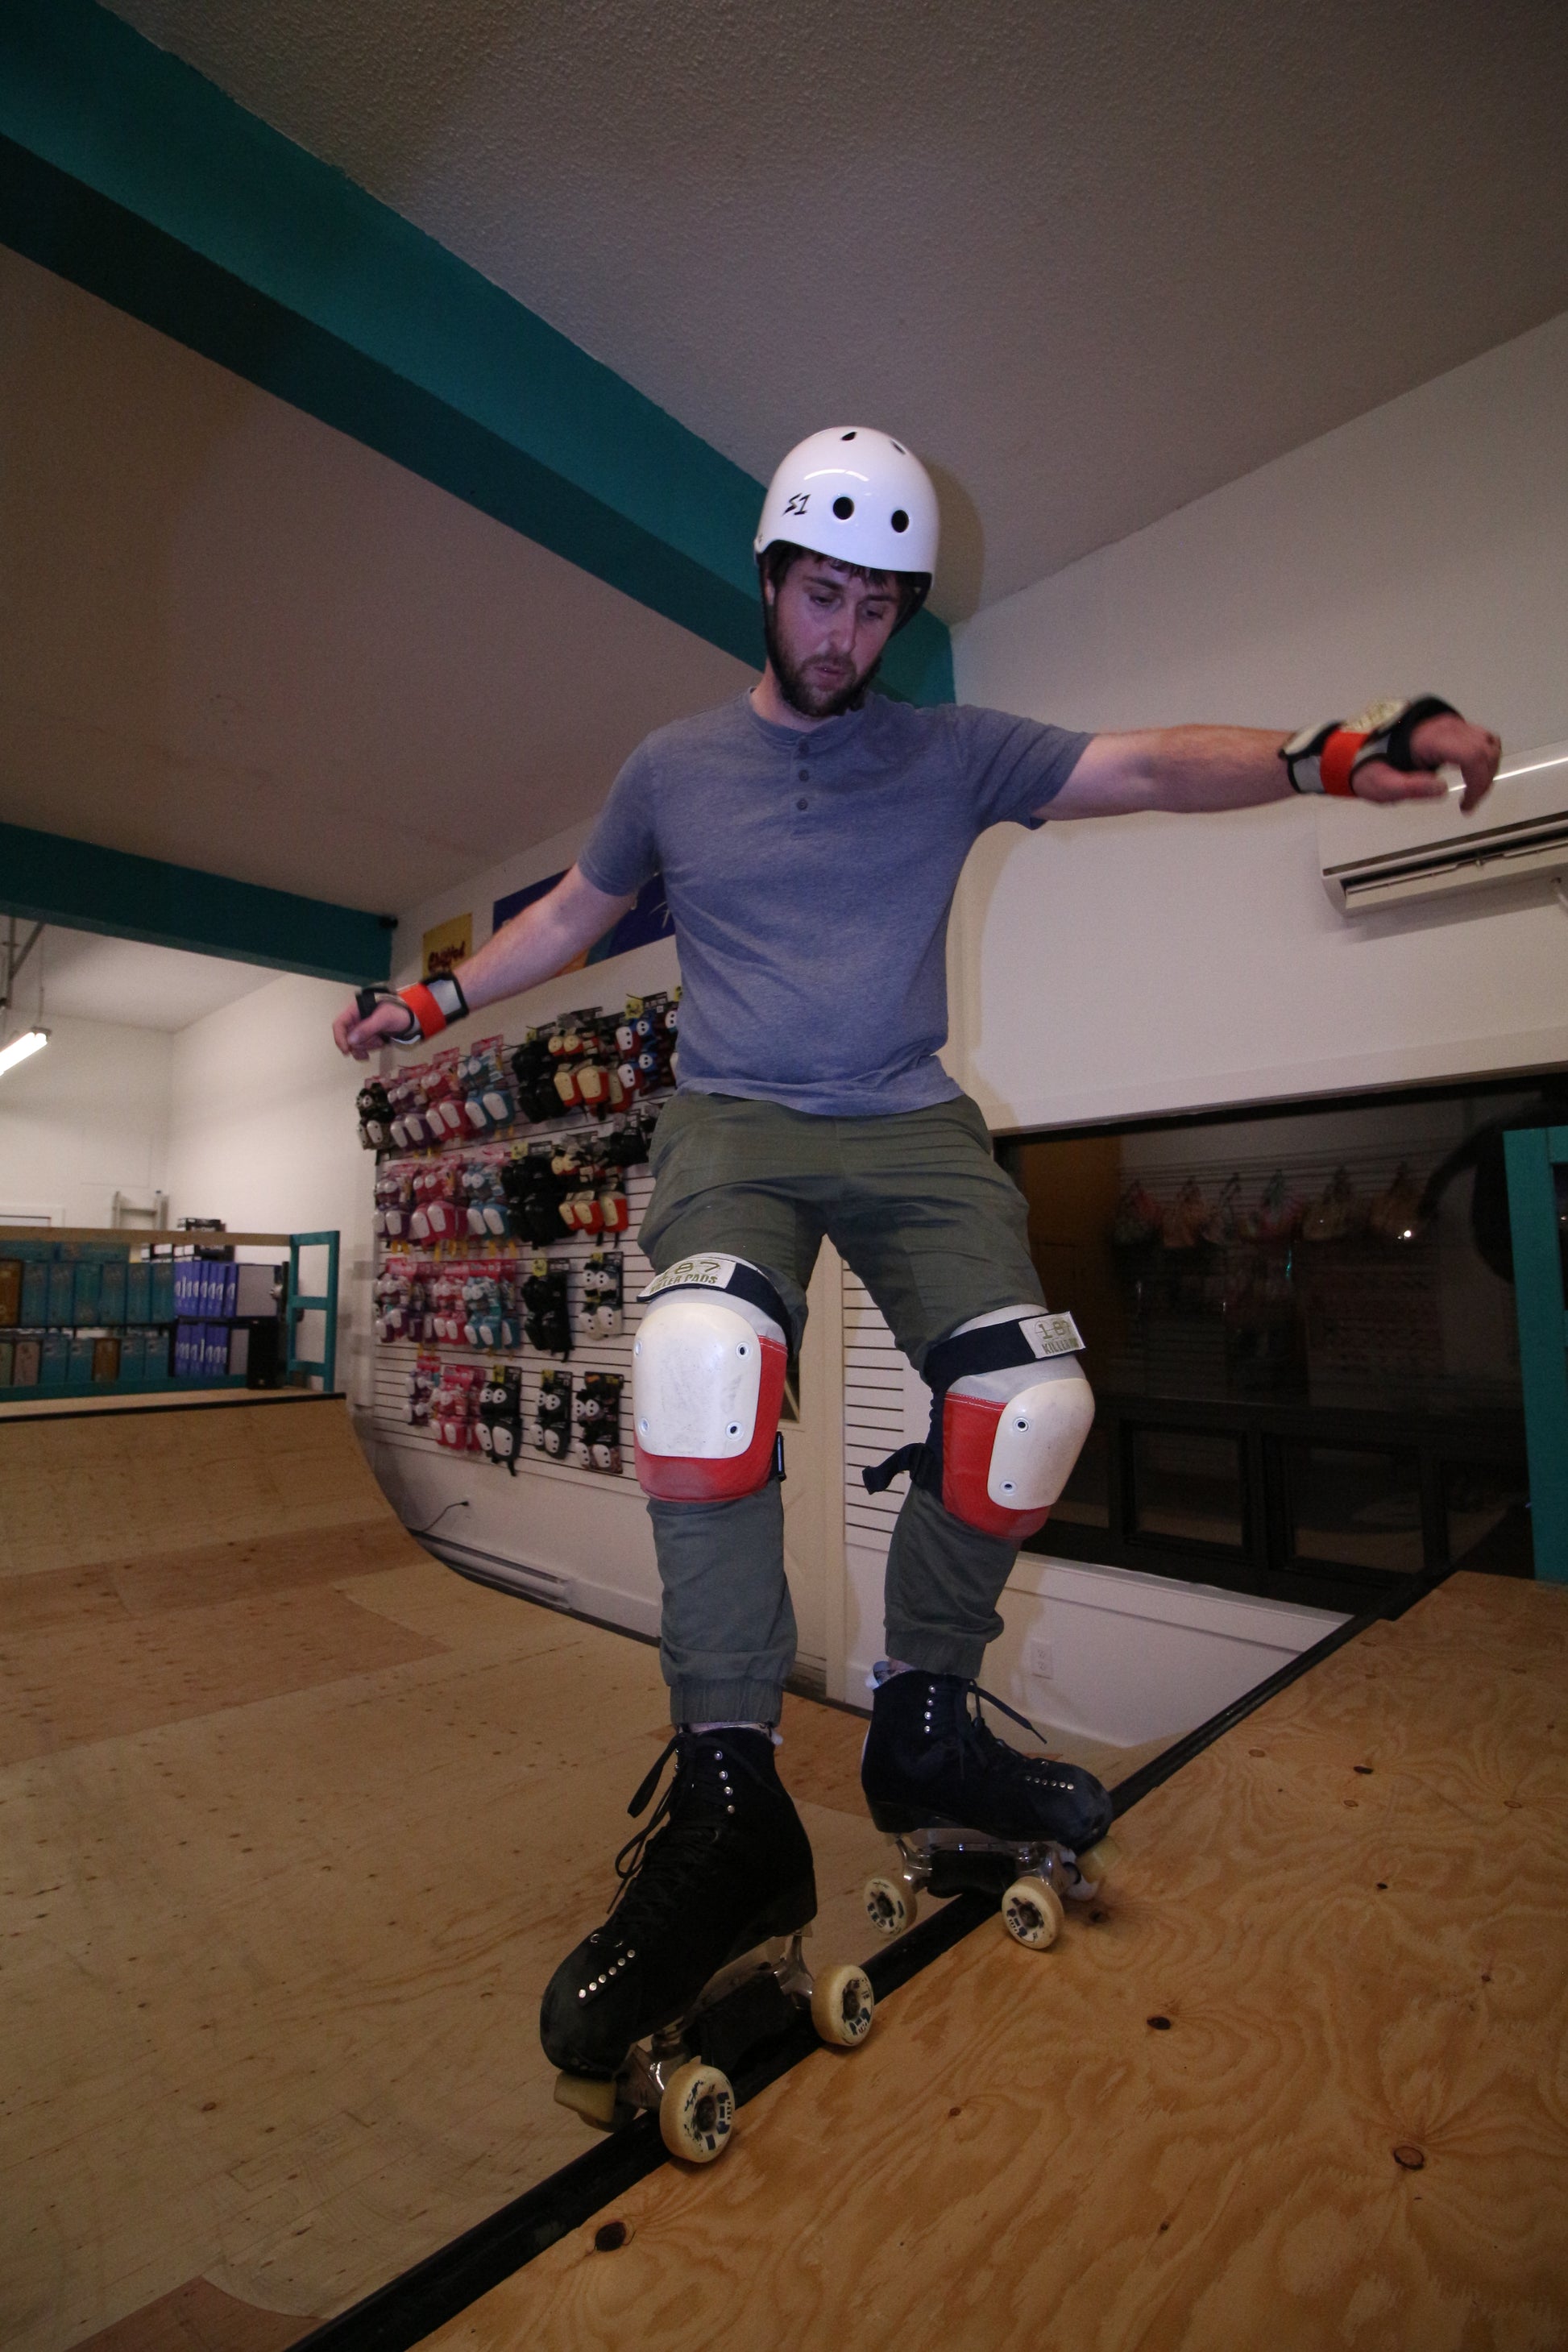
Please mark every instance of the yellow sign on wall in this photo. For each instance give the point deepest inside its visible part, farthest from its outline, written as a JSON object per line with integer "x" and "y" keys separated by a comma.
{"x": 447, "y": 945}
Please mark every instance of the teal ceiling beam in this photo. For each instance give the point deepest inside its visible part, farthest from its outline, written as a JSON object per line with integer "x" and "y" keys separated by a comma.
{"x": 45, "y": 878}
{"x": 124, "y": 170}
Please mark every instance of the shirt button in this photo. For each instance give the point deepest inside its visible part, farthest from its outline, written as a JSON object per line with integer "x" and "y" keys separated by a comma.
{"x": 805, "y": 775}
{"x": 802, "y": 803}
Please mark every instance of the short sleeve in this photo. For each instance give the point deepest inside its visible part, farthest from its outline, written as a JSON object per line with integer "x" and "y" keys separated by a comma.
{"x": 621, "y": 852}
{"x": 1013, "y": 766}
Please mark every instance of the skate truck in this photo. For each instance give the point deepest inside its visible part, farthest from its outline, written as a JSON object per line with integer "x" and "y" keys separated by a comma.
{"x": 682, "y": 2073}
{"x": 1032, "y": 1879}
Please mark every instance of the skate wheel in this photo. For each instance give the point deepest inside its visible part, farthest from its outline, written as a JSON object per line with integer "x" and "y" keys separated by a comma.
{"x": 593, "y": 2100}
{"x": 1096, "y": 1860}
{"x": 890, "y": 1905}
{"x": 695, "y": 2111}
{"x": 1032, "y": 1913}
{"x": 842, "y": 2003}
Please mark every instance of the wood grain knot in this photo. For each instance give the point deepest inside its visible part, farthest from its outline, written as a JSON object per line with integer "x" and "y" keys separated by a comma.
{"x": 1361, "y": 1768}
{"x": 1412, "y": 2159}
{"x": 611, "y": 2236}
{"x": 1160, "y": 2024}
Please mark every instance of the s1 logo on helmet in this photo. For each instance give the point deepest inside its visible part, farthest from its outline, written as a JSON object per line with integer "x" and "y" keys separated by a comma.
{"x": 798, "y": 504}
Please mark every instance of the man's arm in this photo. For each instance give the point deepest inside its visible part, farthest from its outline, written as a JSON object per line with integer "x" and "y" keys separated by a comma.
{"x": 534, "y": 946}
{"x": 1191, "y": 769}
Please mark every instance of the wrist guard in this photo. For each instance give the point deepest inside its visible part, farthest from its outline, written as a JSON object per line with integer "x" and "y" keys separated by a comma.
{"x": 431, "y": 1005}
{"x": 1326, "y": 759}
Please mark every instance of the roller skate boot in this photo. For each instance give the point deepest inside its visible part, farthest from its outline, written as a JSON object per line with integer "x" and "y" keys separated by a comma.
{"x": 969, "y": 1814}
{"x": 699, "y": 1960}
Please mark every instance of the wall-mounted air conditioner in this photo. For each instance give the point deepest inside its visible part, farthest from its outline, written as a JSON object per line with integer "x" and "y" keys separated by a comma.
{"x": 1374, "y": 858}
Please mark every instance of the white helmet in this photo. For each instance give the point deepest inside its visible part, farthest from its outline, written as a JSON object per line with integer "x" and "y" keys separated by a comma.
{"x": 859, "y": 496}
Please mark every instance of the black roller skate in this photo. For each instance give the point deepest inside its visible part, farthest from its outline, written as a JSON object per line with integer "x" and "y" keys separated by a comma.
{"x": 699, "y": 1960}
{"x": 969, "y": 1814}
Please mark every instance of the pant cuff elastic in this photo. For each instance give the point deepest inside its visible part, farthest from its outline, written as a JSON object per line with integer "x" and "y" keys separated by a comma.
{"x": 735, "y": 1701}
{"x": 937, "y": 1653}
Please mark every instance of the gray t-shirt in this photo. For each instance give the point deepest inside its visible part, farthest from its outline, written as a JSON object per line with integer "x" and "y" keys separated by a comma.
{"x": 809, "y": 874}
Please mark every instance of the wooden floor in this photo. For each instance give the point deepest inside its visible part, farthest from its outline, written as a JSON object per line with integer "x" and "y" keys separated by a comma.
{"x": 1305, "y": 2084}
{"x": 294, "y": 1824}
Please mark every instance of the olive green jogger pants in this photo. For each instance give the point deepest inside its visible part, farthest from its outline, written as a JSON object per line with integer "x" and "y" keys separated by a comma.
{"x": 917, "y": 1206}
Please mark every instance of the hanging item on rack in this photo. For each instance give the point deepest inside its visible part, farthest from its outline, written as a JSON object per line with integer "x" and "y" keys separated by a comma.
{"x": 422, "y": 1383}
{"x": 375, "y": 1116}
{"x": 487, "y": 1100}
{"x": 1279, "y": 1213}
{"x": 405, "y": 1093}
{"x": 543, "y": 1300}
{"x": 390, "y": 1293}
{"x": 533, "y": 1193}
{"x": 1338, "y": 1216}
{"x": 599, "y": 1316}
{"x": 598, "y": 1446}
{"x": 484, "y": 1201}
{"x": 1187, "y": 1220}
{"x": 1397, "y": 1215}
{"x": 500, "y": 1427}
{"x": 553, "y": 1420}
{"x": 489, "y": 1309}
{"x": 533, "y": 1077}
{"x": 1138, "y": 1220}
{"x": 454, "y": 1406}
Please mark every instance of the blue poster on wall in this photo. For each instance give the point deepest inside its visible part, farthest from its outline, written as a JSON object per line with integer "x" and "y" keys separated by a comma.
{"x": 648, "y": 920}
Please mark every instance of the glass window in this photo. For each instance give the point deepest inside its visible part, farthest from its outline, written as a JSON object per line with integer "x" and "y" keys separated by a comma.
{"x": 1187, "y": 1484}
{"x": 1085, "y": 1500}
{"x": 1486, "y": 1510}
{"x": 1355, "y": 1507}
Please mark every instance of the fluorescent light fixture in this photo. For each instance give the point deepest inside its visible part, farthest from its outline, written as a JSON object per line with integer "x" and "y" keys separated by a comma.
{"x": 31, "y": 1041}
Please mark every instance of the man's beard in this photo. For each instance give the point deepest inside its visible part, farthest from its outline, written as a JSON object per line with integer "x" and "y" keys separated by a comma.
{"x": 811, "y": 702}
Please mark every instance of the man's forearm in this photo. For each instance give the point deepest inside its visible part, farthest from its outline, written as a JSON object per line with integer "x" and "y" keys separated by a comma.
{"x": 1181, "y": 769}
{"x": 538, "y": 942}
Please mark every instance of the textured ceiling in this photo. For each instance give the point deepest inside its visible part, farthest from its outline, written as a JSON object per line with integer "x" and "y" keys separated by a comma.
{"x": 1094, "y": 260}
{"x": 238, "y": 640}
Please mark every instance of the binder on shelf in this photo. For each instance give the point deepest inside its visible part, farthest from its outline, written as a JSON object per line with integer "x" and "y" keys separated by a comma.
{"x": 26, "y": 1363}
{"x": 161, "y": 1301}
{"x": 111, "y": 1293}
{"x": 53, "y": 1360}
{"x": 35, "y": 1293}
{"x": 78, "y": 1359}
{"x": 132, "y": 1357}
{"x": 85, "y": 1292}
{"x": 10, "y": 1291}
{"x": 7, "y": 1360}
{"x": 105, "y": 1361}
{"x": 61, "y": 1280}
{"x": 138, "y": 1292}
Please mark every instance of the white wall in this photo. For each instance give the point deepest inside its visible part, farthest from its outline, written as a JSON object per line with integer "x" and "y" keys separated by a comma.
{"x": 85, "y": 1118}
{"x": 1142, "y": 963}
{"x": 263, "y": 1133}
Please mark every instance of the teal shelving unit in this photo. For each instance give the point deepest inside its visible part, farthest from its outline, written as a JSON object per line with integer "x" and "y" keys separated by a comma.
{"x": 1535, "y": 1155}
{"x": 299, "y": 1304}
{"x": 93, "y": 1311}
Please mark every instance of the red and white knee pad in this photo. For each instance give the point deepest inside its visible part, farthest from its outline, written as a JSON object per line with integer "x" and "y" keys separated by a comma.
{"x": 1010, "y": 1412}
{"x": 708, "y": 1378}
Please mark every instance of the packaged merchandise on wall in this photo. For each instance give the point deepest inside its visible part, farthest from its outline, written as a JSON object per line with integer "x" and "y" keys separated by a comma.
{"x": 500, "y": 1415}
{"x": 543, "y": 1297}
{"x": 375, "y": 1116}
{"x": 599, "y": 1314}
{"x": 488, "y": 1101}
{"x": 489, "y": 1307}
{"x": 454, "y": 1408}
{"x": 598, "y": 1446}
{"x": 422, "y": 1382}
{"x": 553, "y": 1417}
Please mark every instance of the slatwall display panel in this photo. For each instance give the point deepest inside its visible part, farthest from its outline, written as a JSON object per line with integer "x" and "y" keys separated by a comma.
{"x": 395, "y": 1359}
{"x": 874, "y": 1415}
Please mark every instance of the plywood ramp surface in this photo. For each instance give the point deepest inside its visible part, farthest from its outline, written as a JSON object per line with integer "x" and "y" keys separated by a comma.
{"x": 1303, "y": 2084}
{"x": 80, "y": 1489}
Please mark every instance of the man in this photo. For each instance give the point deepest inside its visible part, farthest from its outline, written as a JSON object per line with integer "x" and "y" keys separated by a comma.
{"x": 810, "y": 835}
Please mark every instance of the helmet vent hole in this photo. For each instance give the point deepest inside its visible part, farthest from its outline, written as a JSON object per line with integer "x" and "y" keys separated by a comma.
{"x": 844, "y": 508}
{"x": 847, "y": 437}
{"x": 900, "y": 519}
{"x": 900, "y": 448}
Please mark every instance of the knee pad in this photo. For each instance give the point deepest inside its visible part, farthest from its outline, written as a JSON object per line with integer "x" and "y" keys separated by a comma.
{"x": 708, "y": 1376}
{"x": 1010, "y": 1412}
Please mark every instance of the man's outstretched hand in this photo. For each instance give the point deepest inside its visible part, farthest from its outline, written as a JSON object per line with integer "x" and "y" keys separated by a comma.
{"x": 364, "y": 1038}
{"x": 1437, "y": 742}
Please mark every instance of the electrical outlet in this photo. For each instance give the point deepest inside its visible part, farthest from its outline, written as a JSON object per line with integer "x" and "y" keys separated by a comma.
{"x": 1038, "y": 1663}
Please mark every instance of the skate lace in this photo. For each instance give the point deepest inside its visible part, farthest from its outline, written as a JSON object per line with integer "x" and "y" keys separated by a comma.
{"x": 978, "y": 1739}
{"x": 680, "y": 1834}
